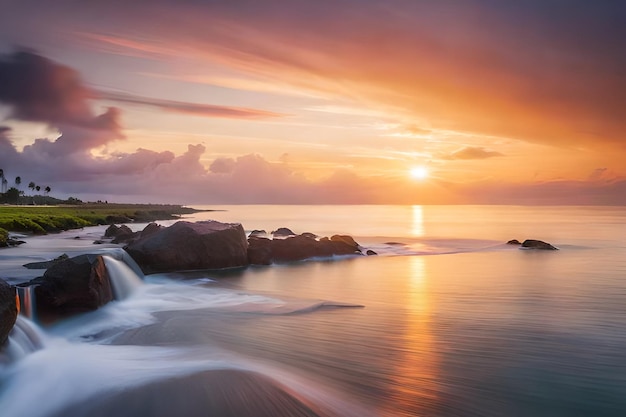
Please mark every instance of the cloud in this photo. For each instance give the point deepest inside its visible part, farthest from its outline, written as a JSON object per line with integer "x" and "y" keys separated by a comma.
{"x": 196, "y": 109}
{"x": 222, "y": 166}
{"x": 472, "y": 152}
{"x": 40, "y": 90}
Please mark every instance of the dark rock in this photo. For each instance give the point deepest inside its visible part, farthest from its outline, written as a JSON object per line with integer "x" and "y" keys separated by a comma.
{"x": 345, "y": 239}
{"x": 263, "y": 251}
{"x": 513, "y": 242}
{"x": 115, "y": 231}
{"x": 537, "y": 244}
{"x": 186, "y": 245}
{"x": 8, "y": 309}
{"x": 14, "y": 242}
{"x": 150, "y": 229}
{"x": 46, "y": 264}
{"x": 99, "y": 242}
{"x": 370, "y": 252}
{"x": 258, "y": 233}
{"x": 309, "y": 235}
{"x": 72, "y": 286}
{"x": 283, "y": 232}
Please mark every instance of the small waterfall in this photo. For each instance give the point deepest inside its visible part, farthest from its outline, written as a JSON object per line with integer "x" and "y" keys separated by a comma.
{"x": 25, "y": 337}
{"x": 124, "y": 279}
{"x": 26, "y": 296}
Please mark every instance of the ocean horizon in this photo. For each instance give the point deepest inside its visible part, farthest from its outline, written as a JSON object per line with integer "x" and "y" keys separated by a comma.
{"x": 447, "y": 320}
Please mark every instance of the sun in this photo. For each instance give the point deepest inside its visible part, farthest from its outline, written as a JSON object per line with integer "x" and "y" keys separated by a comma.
{"x": 419, "y": 173}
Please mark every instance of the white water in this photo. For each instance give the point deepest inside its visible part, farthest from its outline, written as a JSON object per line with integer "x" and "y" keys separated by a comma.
{"x": 124, "y": 279}
{"x": 25, "y": 338}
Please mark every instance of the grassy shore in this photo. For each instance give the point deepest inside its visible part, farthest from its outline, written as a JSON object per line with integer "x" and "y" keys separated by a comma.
{"x": 45, "y": 219}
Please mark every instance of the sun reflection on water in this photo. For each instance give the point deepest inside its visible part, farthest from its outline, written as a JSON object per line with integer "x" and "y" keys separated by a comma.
{"x": 417, "y": 221}
{"x": 417, "y": 373}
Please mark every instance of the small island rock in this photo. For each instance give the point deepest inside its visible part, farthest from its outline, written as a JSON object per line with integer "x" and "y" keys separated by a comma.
{"x": 537, "y": 244}
{"x": 186, "y": 245}
{"x": 513, "y": 242}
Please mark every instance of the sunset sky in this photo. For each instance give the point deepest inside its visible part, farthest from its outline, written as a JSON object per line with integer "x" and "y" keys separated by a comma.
{"x": 326, "y": 101}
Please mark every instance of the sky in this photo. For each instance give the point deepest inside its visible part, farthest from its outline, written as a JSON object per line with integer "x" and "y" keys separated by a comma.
{"x": 316, "y": 102}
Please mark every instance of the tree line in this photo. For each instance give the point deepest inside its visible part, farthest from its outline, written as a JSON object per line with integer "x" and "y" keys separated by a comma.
{"x": 12, "y": 194}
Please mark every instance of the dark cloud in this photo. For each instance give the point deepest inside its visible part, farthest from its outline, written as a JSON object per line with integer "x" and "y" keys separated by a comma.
{"x": 40, "y": 90}
{"x": 472, "y": 152}
{"x": 197, "y": 109}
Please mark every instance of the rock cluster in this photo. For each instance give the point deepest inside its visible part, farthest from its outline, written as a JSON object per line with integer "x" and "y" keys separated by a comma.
{"x": 263, "y": 251}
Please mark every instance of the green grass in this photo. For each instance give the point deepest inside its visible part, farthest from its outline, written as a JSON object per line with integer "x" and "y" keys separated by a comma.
{"x": 44, "y": 219}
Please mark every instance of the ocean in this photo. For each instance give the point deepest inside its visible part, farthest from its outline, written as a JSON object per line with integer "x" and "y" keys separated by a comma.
{"x": 447, "y": 320}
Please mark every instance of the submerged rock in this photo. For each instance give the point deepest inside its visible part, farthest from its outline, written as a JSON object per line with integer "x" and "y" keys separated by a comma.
{"x": 513, "y": 242}
{"x": 46, "y": 264}
{"x": 8, "y": 310}
{"x": 537, "y": 244}
{"x": 262, "y": 251}
{"x": 75, "y": 285}
{"x": 371, "y": 252}
{"x": 185, "y": 245}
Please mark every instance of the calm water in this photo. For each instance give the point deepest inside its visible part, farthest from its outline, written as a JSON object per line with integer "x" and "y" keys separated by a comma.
{"x": 447, "y": 321}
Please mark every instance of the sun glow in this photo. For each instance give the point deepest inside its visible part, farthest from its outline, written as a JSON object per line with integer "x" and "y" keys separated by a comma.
{"x": 419, "y": 173}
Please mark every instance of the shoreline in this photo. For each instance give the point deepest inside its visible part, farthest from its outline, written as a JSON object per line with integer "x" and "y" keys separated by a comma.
{"x": 41, "y": 220}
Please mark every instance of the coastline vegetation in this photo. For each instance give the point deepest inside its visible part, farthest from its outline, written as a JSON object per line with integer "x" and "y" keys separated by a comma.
{"x": 47, "y": 219}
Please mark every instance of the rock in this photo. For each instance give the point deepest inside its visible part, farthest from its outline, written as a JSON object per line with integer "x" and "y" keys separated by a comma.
{"x": 46, "y": 264}
{"x": 370, "y": 252}
{"x": 513, "y": 242}
{"x": 74, "y": 285}
{"x": 8, "y": 309}
{"x": 185, "y": 245}
{"x": 115, "y": 231}
{"x": 14, "y": 242}
{"x": 537, "y": 244}
{"x": 309, "y": 234}
{"x": 345, "y": 239}
{"x": 283, "y": 232}
{"x": 258, "y": 233}
{"x": 151, "y": 228}
{"x": 262, "y": 251}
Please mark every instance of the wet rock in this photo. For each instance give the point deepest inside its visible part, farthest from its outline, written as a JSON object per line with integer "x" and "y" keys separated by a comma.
{"x": 115, "y": 231}
{"x": 262, "y": 251}
{"x": 46, "y": 264}
{"x": 72, "y": 286}
{"x": 283, "y": 232}
{"x": 537, "y": 244}
{"x": 258, "y": 233}
{"x": 8, "y": 309}
{"x": 150, "y": 229}
{"x": 370, "y": 252}
{"x": 186, "y": 245}
{"x": 513, "y": 242}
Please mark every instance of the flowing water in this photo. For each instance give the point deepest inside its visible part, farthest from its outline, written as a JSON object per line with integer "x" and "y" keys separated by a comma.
{"x": 446, "y": 321}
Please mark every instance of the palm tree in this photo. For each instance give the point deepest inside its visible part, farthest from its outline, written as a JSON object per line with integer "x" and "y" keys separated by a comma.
{"x": 37, "y": 188}
{"x": 31, "y": 185}
{"x": 47, "y": 189}
{"x": 18, "y": 181}
{"x": 2, "y": 178}
{"x": 4, "y": 185}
